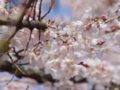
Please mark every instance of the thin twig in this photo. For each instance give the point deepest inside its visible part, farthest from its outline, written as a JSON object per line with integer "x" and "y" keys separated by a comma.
{"x": 27, "y": 45}
{"x": 12, "y": 78}
{"x": 40, "y": 5}
{"x": 52, "y": 2}
{"x": 112, "y": 19}
{"x": 39, "y": 34}
{"x": 35, "y": 3}
{"x": 17, "y": 54}
{"x": 16, "y": 30}
{"x": 16, "y": 64}
{"x": 27, "y": 87}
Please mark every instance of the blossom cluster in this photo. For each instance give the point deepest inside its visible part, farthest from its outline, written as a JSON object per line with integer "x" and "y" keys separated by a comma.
{"x": 87, "y": 48}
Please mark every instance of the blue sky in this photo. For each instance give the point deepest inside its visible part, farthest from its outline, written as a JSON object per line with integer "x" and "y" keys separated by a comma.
{"x": 61, "y": 11}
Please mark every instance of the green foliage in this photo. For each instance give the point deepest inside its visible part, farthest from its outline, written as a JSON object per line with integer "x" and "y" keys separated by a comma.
{"x": 4, "y": 46}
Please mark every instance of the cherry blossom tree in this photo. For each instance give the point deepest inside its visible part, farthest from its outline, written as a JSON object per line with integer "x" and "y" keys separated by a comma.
{"x": 63, "y": 53}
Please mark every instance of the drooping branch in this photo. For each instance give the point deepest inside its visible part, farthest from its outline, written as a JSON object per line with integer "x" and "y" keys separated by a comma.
{"x": 37, "y": 74}
{"x": 52, "y": 2}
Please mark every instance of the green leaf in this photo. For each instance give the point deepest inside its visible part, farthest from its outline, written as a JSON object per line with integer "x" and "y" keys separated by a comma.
{"x": 4, "y": 46}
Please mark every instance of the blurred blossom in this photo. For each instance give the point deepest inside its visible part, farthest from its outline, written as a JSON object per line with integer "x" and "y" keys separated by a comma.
{"x": 79, "y": 7}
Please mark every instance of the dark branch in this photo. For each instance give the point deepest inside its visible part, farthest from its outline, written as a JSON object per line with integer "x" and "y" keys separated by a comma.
{"x": 40, "y": 5}
{"x": 38, "y": 75}
{"x": 52, "y": 2}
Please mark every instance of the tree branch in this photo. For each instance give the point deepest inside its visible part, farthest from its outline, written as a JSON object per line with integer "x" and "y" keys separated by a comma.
{"x": 38, "y": 75}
